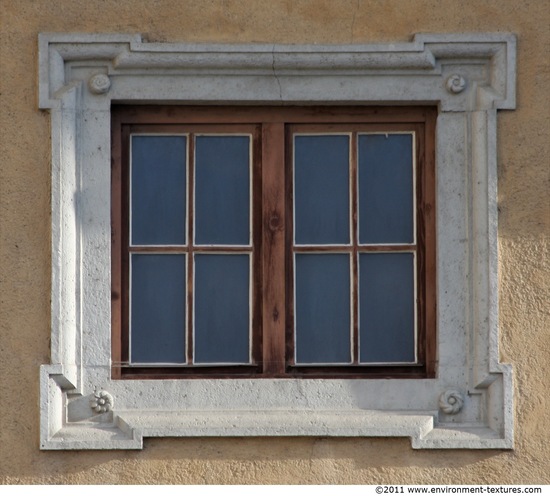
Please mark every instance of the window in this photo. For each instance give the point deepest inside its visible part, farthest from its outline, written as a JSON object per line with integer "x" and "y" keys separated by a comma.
{"x": 349, "y": 288}
{"x": 457, "y": 394}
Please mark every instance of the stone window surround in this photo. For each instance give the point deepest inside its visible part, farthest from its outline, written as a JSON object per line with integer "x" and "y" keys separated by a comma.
{"x": 469, "y": 77}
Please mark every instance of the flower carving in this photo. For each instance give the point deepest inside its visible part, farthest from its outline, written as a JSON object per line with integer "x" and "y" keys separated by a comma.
{"x": 456, "y": 83}
{"x": 99, "y": 84}
{"x": 451, "y": 401}
{"x": 101, "y": 402}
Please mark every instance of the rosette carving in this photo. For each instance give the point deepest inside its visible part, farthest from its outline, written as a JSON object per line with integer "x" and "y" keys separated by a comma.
{"x": 99, "y": 84}
{"x": 456, "y": 83}
{"x": 451, "y": 401}
{"x": 102, "y": 402}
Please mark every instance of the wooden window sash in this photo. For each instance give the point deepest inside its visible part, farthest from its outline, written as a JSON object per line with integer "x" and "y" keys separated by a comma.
{"x": 272, "y": 320}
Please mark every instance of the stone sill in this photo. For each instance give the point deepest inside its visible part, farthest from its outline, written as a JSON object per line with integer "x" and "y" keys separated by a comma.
{"x": 128, "y": 429}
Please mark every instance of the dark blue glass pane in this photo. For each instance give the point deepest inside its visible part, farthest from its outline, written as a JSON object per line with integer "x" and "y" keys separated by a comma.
{"x": 158, "y": 190}
{"x": 321, "y": 189}
{"x": 322, "y": 308}
{"x": 158, "y": 308}
{"x": 222, "y": 308}
{"x": 386, "y": 307}
{"x": 386, "y": 189}
{"x": 222, "y": 190}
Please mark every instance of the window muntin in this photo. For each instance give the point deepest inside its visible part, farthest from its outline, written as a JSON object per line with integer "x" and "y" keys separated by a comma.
{"x": 349, "y": 356}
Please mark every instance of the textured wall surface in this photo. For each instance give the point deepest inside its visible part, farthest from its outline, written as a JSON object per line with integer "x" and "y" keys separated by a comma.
{"x": 524, "y": 232}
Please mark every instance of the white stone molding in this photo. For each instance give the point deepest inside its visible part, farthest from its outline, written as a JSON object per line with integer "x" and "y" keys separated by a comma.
{"x": 81, "y": 75}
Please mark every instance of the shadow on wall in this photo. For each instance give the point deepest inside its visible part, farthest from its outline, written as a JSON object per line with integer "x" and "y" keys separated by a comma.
{"x": 254, "y": 460}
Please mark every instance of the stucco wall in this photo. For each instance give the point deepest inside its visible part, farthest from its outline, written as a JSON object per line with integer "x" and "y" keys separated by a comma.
{"x": 524, "y": 231}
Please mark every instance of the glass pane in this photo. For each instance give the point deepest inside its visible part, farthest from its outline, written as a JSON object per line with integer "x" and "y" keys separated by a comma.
{"x": 222, "y": 308}
{"x": 386, "y": 307}
{"x": 158, "y": 190}
{"x": 321, "y": 189}
{"x": 158, "y": 308}
{"x": 322, "y": 308}
{"x": 222, "y": 190}
{"x": 386, "y": 189}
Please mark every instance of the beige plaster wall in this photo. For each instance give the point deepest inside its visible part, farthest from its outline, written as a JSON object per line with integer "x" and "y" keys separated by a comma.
{"x": 524, "y": 229}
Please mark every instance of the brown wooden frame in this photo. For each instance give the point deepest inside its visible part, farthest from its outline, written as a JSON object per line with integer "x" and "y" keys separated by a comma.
{"x": 272, "y": 319}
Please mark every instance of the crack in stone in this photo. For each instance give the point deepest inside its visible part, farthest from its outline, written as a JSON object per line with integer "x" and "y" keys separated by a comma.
{"x": 275, "y": 73}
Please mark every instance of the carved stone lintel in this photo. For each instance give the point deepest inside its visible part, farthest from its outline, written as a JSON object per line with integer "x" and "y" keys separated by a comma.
{"x": 451, "y": 401}
{"x": 99, "y": 84}
{"x": 102, "y": 402}
{"x": 456, "y": 83}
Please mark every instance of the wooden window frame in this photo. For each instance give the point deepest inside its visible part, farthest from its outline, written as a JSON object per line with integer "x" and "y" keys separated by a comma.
{"x": 272, "y": 248}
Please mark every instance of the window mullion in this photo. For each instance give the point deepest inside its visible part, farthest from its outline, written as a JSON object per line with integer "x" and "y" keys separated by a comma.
{"x": 273, "y": 248}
